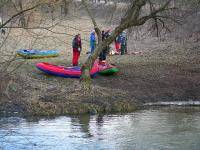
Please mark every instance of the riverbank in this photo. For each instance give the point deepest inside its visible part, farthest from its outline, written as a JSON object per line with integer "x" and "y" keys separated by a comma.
{"x": 167, "y": 68}
{"x": 170, "y": 73}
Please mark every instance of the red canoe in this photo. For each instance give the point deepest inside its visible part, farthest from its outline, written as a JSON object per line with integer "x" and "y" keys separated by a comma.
{"x": 75, "y": 71}
{"x": 67, "y": 72}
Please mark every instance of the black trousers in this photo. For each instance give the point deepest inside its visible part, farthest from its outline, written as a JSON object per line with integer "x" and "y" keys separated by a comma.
{"x": 102, "y": 55}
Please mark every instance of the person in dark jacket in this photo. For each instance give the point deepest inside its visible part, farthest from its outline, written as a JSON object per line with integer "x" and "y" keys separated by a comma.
{"x": 77, "y": 47}
{"x": 123, "y": 43}
{"x": 102, "y": 56}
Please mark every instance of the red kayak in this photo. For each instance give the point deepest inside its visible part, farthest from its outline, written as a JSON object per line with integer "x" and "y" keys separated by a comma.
{"x": 67, "y": 72}
{"x": 75, "y": 71}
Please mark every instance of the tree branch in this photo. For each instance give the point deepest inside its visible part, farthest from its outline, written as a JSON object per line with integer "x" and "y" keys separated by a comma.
{"x": 151, "y": 15}
{"x": 19, "y": 13}
{"x": 97, "y": 30}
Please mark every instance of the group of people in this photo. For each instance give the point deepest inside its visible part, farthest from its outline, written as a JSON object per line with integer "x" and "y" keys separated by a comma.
{"x": 120, "y": 45}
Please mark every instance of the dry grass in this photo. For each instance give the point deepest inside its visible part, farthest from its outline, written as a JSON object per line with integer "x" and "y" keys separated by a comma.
{"x": 167, "y": 74}
{"x": 167, "y": 71}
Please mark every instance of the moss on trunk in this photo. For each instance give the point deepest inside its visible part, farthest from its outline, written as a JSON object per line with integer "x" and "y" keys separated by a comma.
{"x": 85, "y": 78}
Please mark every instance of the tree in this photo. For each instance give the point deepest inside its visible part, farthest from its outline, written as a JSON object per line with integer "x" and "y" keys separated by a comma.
{"x": 132, "y": 17}
{"x": 65, "y": 6}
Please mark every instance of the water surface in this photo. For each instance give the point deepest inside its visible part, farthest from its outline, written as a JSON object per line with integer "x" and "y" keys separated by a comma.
{"x": 152, "y": 129}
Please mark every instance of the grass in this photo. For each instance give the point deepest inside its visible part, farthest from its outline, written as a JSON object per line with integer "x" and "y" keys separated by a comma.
{"x": 151, "y": 77}
{"x": 167, "y": 71}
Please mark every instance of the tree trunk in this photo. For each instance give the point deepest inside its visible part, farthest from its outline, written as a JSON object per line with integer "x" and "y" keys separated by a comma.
{"x": 65, "y": 7}
{"x": 85, "y": 75}
{"x": 22, "y": 19}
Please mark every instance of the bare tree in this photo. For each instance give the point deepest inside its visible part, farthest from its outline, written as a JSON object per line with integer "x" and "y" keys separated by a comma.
{"x": 133, "y": 17}
{"x": 65, "y": 6}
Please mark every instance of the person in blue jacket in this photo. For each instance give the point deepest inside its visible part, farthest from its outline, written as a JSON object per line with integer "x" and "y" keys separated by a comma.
{"x": 92, "y": 41}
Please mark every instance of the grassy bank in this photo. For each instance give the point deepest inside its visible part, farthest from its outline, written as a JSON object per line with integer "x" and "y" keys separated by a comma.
{"x": 167, "y": 70}
{"x": 167, "y": 74}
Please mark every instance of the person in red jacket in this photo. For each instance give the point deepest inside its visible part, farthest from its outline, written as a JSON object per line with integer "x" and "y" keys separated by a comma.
{"x": 118, "y": 43}
{"x": 77, "y": 47}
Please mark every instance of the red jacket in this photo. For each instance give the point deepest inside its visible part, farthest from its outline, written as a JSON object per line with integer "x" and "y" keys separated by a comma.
{"x": 76, "y": 44}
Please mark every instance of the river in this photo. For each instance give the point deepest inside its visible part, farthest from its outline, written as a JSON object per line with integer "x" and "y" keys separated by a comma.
{"x": 175, "y": 128}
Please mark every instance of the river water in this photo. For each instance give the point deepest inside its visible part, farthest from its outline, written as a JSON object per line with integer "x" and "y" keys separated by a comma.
{"x": 175, "y": 128}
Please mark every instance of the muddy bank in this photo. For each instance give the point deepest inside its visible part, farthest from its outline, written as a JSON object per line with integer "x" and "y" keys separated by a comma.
{"x": 62, "y": 99}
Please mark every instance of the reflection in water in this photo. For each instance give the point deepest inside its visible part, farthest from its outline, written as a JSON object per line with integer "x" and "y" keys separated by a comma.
{"x": 83, "y": 122}
{"x": 161, "y": 128}
{"x": 99, "y": 120}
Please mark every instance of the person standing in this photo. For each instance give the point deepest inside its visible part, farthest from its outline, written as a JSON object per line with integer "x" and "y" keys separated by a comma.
{"x": 102, "y": 56}
{"x": 92, "y": 42}
{"x": 77, "y": 47}
{"x": 123, "y": 43}
{"x": 118, "y": 43}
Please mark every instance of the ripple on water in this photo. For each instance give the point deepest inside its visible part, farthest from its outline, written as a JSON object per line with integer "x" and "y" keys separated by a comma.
{"x": 154, "y": 128}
